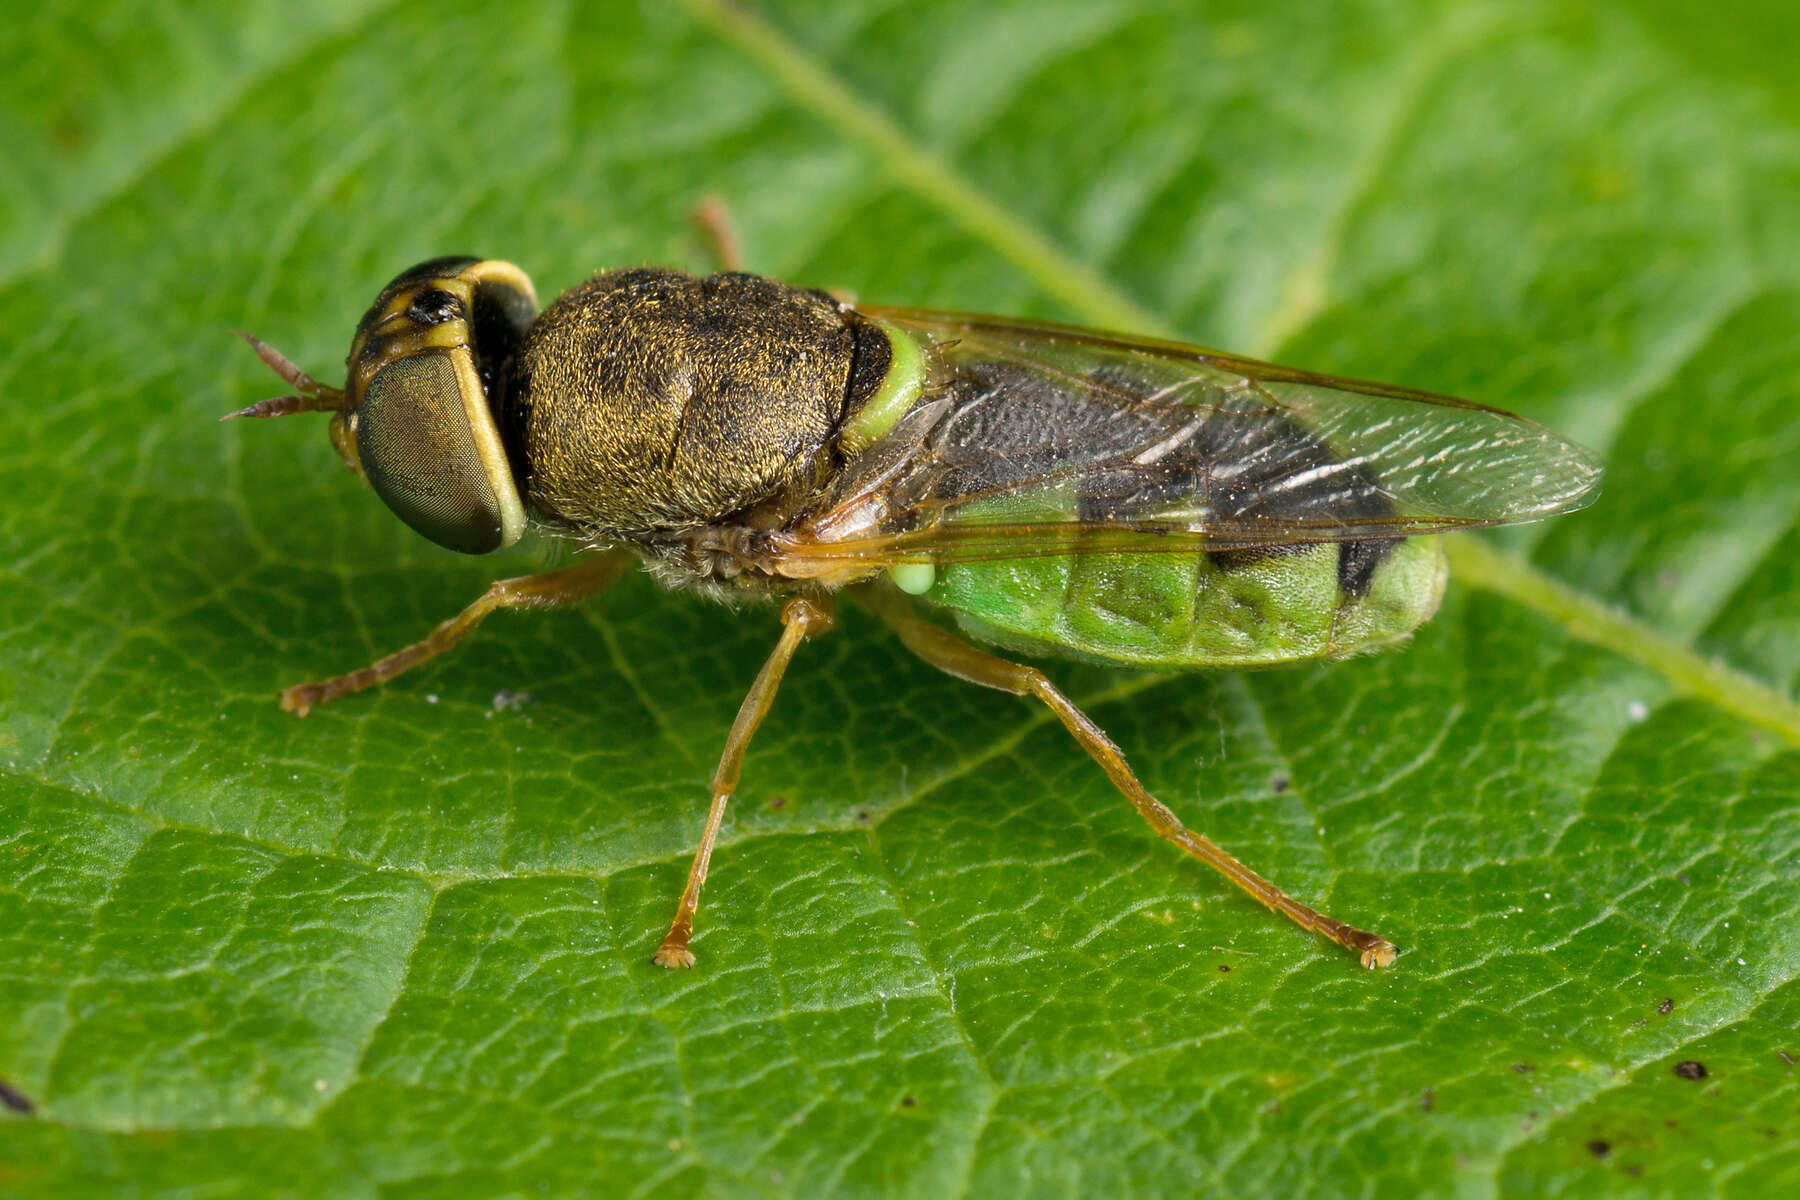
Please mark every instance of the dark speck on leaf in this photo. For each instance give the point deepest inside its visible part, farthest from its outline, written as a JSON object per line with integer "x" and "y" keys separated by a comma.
{"x": 11, "y": 1097}
{"x": 862, "y": 814}
{"x": 1523, "y": 1068}
{"x": 907, "y": 1102}
{"x": 1667, "y": 1006}
{"x": 1224, "y": 968}
{"x": 1689, "y": 1069}
{"x": 1633, "y": 1170}
{"x": 1279, "y": 784}
{"x": 777, "y": 802}
{"x": 1599, "y": 1147}
{"x": 1427, "y": 1100}
{"x": 68, "y": 131}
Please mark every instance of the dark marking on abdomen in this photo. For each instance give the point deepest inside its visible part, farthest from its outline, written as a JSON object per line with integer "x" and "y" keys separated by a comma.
{"x": 1358, "y": 561}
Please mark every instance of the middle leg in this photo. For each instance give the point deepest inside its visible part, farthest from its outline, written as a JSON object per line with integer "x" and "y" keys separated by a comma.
{"x": 800, "y": 618}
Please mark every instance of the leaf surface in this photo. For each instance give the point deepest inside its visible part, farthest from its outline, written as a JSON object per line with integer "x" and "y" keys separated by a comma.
{"x": 402, "y": 947}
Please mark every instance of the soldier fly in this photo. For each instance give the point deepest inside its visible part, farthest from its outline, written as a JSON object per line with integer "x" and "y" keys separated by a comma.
{"x": 1044, "y": 489}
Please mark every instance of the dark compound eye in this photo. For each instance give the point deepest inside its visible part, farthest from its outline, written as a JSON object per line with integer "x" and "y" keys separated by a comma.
{"x": 433, "y": 306}
{"x": 420, "y": 405}
{"x": 417, "y": 448}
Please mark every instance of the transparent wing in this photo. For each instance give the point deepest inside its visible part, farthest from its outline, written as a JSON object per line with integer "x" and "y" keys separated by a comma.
{"x": 1039, "y": 439}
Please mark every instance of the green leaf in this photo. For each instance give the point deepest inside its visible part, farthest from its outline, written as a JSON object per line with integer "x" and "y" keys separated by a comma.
{"x": 403, "y": 946}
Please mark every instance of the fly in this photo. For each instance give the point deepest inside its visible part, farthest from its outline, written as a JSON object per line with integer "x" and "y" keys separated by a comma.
{"x": 973, "y": 481}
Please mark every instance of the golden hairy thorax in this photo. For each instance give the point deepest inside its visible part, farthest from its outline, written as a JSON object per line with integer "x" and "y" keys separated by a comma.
{"x": 648, "y": 401}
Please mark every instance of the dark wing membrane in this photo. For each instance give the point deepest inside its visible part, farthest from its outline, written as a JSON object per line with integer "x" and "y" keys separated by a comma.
{"x": 1039, "y": 439}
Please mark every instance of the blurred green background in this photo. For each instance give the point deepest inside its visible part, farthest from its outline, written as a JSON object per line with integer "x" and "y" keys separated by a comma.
{"x": 402, "y": 947}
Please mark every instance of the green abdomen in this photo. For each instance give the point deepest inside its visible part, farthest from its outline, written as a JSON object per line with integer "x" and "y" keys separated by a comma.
{"x": 1181, "y": 610}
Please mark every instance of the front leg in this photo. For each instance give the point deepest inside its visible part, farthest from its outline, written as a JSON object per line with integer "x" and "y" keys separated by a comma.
{"x": 547, "y": 590}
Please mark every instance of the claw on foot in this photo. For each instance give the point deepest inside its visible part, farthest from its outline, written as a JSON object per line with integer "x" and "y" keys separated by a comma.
{"x": 673, "y": 957}
{"x": 1380, "y": 953}
{"x": 300, "y": 698}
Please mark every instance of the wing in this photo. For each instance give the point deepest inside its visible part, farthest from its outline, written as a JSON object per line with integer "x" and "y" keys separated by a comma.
{"x": 1037, "y": 439}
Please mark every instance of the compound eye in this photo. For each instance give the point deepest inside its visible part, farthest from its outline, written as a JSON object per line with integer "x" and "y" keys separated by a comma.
{"x": 428, "y": 376}
{"x": 417, "y": 448}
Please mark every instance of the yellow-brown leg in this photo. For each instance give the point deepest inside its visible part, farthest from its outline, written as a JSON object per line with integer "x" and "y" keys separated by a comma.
{"x": 949, "y": 653}
{"x": 800, "y": 618}
{"x": 713, "y": 219}
{"x": 549, "y": 589}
